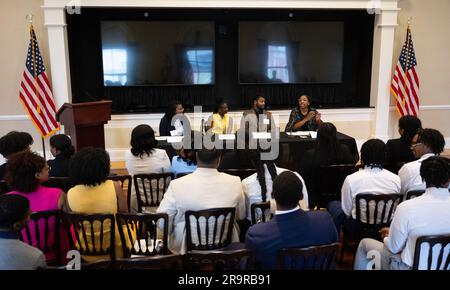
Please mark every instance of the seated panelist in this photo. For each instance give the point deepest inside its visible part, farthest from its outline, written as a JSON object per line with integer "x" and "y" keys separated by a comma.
{"x": 303, "y": 117}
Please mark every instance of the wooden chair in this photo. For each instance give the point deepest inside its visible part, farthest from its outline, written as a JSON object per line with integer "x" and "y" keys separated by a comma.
{"x": 439, "y": 244}
{"x": 125, "y": 183}
{"x": 150, "y": 188}
{"x": 371, "y": 219}
{"x": 241, "y": 173}
{"x": 241, "y": 259}
{"x": 166, "y": 262}
{"x": 4, "y": 188}
{"x": 209, "y": 229}
{"x": 413, "y": 194}
{"x": 37, "y": 234}
{"x": 260, "y": 212}
{"x": 63, "y": 183}
{"x": 139, "y": 234}
{"x": 309, "y": 258}
{"x": 91, "y": 235}
{"x": 325, "y": 183}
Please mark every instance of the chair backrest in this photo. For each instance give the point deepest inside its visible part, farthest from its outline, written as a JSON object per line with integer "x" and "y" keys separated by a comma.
{"x": 260, "y": 212}
{"x": 150, "y": 188}
{"x": 63, "y": 183}
{"x": 42, "y": 232}
{"x": 241, "y": 173}
{"x": 376, "y": 209}
{"x": 241, "y": 259}
{"x": 91, "y": 235}
{"x": 326, "y": 181}
{"x": 310, "y": 258}
{"x": 413, "y": 194}
{"x": 165, "y": 262}
{"x": 432, "y": 253}
{"x": 4, "y": 188}
{"x": 209, "y": 229}
{"x": 140, "y": 233}
{"x": 125, "y": 182}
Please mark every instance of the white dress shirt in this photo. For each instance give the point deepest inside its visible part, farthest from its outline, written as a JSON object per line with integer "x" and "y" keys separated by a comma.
{"x": 410, "y": 175}
{"x": 157, "y": 162}
{"x": 252, "y": 190}
{"x": 428, "y": 214}
{"x": 205, "y": 188}
{"x": 367, "y": 180}
{"x": 278, "y": 212}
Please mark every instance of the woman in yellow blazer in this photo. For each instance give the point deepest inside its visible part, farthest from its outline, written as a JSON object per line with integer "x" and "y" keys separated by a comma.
{"x": 221, "y": 123}
{"x": 95, "y": 194}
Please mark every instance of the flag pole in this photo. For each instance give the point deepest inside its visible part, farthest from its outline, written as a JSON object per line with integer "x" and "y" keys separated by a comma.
{"x": 408, "y": 35}
{"x": 30, "y": 17}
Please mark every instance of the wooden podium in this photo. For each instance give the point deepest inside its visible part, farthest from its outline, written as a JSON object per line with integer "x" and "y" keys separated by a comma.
{"x": 84, "y": 122}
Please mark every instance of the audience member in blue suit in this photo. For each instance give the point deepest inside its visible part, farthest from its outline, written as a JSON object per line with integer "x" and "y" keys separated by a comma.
{"x": 291, "y": 226}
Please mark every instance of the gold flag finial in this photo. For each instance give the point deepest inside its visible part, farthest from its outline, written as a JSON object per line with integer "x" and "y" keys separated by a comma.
{"x": 29, "y": 18}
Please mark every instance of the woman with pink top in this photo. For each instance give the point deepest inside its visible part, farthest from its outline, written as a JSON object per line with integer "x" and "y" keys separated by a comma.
{"x": 25, "y": 172}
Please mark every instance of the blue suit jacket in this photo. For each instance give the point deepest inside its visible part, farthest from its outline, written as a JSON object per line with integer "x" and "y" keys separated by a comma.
{"x": 295, "y": 229}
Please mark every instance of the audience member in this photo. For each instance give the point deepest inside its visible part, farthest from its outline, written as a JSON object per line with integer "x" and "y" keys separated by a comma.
{"x": 25, "y": 172}
{"x": 425, "y": 144}
{"x": 186, "y": 160}
{"x": 95, "y": 194}
{"x": 14, "y": 254}
{"x": 144, "y": 157}
{"x": 11, "y": 143}
{"x": 258, "y": 186}
{"x": 291, "y": 226}
{"x": 399, "y": 150}
{"x": 327, "y": 151}
{"x": 371, "y": 178}
{"x": 62, "y": 149}
{"x": 205, "y": 188}
{"x": 428, "y": 214}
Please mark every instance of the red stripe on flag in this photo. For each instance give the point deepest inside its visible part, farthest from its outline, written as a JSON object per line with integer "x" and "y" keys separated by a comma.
{"x": 405, "y": 88}
{"x": 47, "y": 90}
{"x": 37, "y": 100}
{"x": 31, "y": 113}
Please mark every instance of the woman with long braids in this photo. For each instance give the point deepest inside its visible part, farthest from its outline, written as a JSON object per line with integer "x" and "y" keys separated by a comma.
{"x": 258, "y": 186}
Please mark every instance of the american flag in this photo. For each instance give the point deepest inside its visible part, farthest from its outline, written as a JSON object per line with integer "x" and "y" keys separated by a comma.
{"x": 405, "y": 84}
{"x": 35, "y": 91}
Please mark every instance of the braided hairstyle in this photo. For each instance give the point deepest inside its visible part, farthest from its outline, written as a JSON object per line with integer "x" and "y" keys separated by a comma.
{"x": 374, "y": 153}
{"x": 435, "y": 171}
{"x": 258, "y": 164}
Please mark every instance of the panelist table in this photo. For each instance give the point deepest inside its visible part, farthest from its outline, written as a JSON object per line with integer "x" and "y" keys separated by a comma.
{"x": 291, "y": 149}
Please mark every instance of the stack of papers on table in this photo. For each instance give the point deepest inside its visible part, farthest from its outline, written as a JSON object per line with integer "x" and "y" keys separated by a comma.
{"x": 312, "y": 134}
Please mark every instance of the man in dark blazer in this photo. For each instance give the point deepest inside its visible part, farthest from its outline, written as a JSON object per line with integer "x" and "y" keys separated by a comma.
{"x": 251, "y": 118}
{"x": 291, "y": 226}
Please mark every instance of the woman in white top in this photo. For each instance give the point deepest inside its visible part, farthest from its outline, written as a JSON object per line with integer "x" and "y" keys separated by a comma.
{"x": 144, "y": 157}
{"x": 258, "y": 186}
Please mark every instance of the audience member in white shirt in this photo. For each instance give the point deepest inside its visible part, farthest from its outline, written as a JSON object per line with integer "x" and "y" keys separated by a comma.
{"x": 425, "y": 215}
{"x": 372, "y": 178}
{"x": 205, "y": 188}
{"x": 425, "y": 144}
{"x": 258, "y": 186}
{"x": 144, "y": 157}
